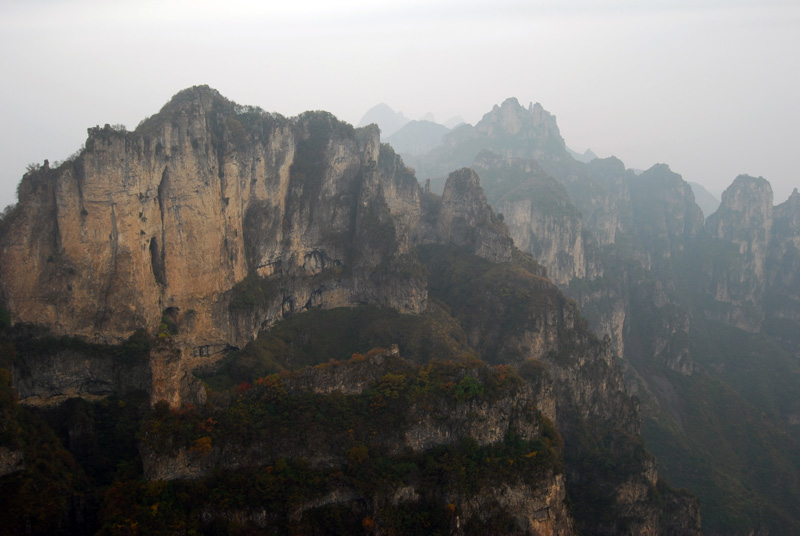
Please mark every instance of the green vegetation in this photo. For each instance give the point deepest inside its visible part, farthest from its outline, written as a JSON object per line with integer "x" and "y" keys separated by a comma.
{"x": 475, "y": 289}
{"x": 361, "y": 431}
{"x": 281, "y": 487}
{"x": 253, "y": 293}
{"x": 37, "y": 499}
{"x": 135, "y": 349}
{"x": 320, "y": 336}
{"x": 735, "y": 461}
{"x": 56, "y": 487}
{"x": 266, "y": 408}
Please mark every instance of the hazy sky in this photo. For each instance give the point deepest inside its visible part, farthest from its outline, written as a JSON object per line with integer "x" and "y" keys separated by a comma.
{"x": 709, "y": 87}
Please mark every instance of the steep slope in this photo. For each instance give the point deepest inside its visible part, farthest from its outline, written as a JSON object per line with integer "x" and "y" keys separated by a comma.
{"x": 539, "y": 214}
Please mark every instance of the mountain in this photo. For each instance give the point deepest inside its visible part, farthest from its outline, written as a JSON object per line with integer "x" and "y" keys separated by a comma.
{"x": 704, "y": 314}
{"x": 231, "y": 321}
{"x": 705, "y": 199}
{"x": 505, "y": 130}
{"x": 453, "y": 122}
{"x": 417, "y": 137}
{"x": 387, "y": 119}
{"x": 585, "y": 157}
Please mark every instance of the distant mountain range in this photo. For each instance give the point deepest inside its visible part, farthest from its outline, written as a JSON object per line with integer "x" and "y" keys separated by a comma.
{"x": 700, "y": 298}
{"x": 390, "y": 121}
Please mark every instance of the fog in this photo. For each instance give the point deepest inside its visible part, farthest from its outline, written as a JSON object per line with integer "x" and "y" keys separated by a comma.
{"x": 708, "y": 87}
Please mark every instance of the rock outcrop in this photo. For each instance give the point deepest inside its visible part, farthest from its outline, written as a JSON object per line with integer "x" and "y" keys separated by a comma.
{"x": 539, "y": 215}
{"x": 465, "y": 219}
{"x": 783, "y": 266}
{"x": 685, "y": 302}
{"x": 175, "y": 214}
{"x": 11, "y": 461}
{"x": 665, "y": 217}
{"x": 741, "y": 227}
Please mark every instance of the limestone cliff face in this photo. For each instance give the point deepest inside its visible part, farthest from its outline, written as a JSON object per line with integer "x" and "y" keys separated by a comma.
{"x": 659, "y": 331}
{"x": 665, "y": 216}
{"x": 783, "y": 267}
{"x": 534, "y": 124}
{"x": 600, "y": 189}
{"x": 50, "y": 379}
{"x": 742, "y": 227}
{"x": 604, "y": 302}
{"x": 49, "y": 371}
{"x": 528, "y": 510}
{"x": 533, "y": 326}
{"x": 539, "y": 215}
{"x": 466, "y": 219}
{"x": 212, "y": 221}
{"x": 656, "y": 225}
{"x": 173, "y": 215}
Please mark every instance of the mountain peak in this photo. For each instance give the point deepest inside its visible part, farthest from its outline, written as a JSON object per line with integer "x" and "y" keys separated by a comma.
{"x": 195, "y": 100}
{"x": 511, "y": 118}
{"x": 203, "y": 95}
{"x": 385, "y": 117}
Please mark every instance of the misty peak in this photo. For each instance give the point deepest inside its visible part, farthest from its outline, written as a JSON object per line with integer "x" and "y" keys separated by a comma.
{"x": 510, "y": 118}
{"x": 385, "y": 117}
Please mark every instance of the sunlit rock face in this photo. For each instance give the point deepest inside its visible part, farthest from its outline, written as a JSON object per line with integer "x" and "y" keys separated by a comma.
{"x": 171, "y": 217}
{"x": 211, "y": 221}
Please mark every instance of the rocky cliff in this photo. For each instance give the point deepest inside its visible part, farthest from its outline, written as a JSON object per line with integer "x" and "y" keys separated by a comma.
{"x": 465, "y": 219}
{"x": 742, "y": 227}
{"x": 539, "y": 214}
{"x": 665, "y": 217}
{"x": 171, "y": 217}
{"x": 783, "y": 273}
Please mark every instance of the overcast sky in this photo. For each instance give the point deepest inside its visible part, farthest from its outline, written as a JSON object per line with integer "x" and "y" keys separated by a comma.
{"x": 709, "y": 87}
